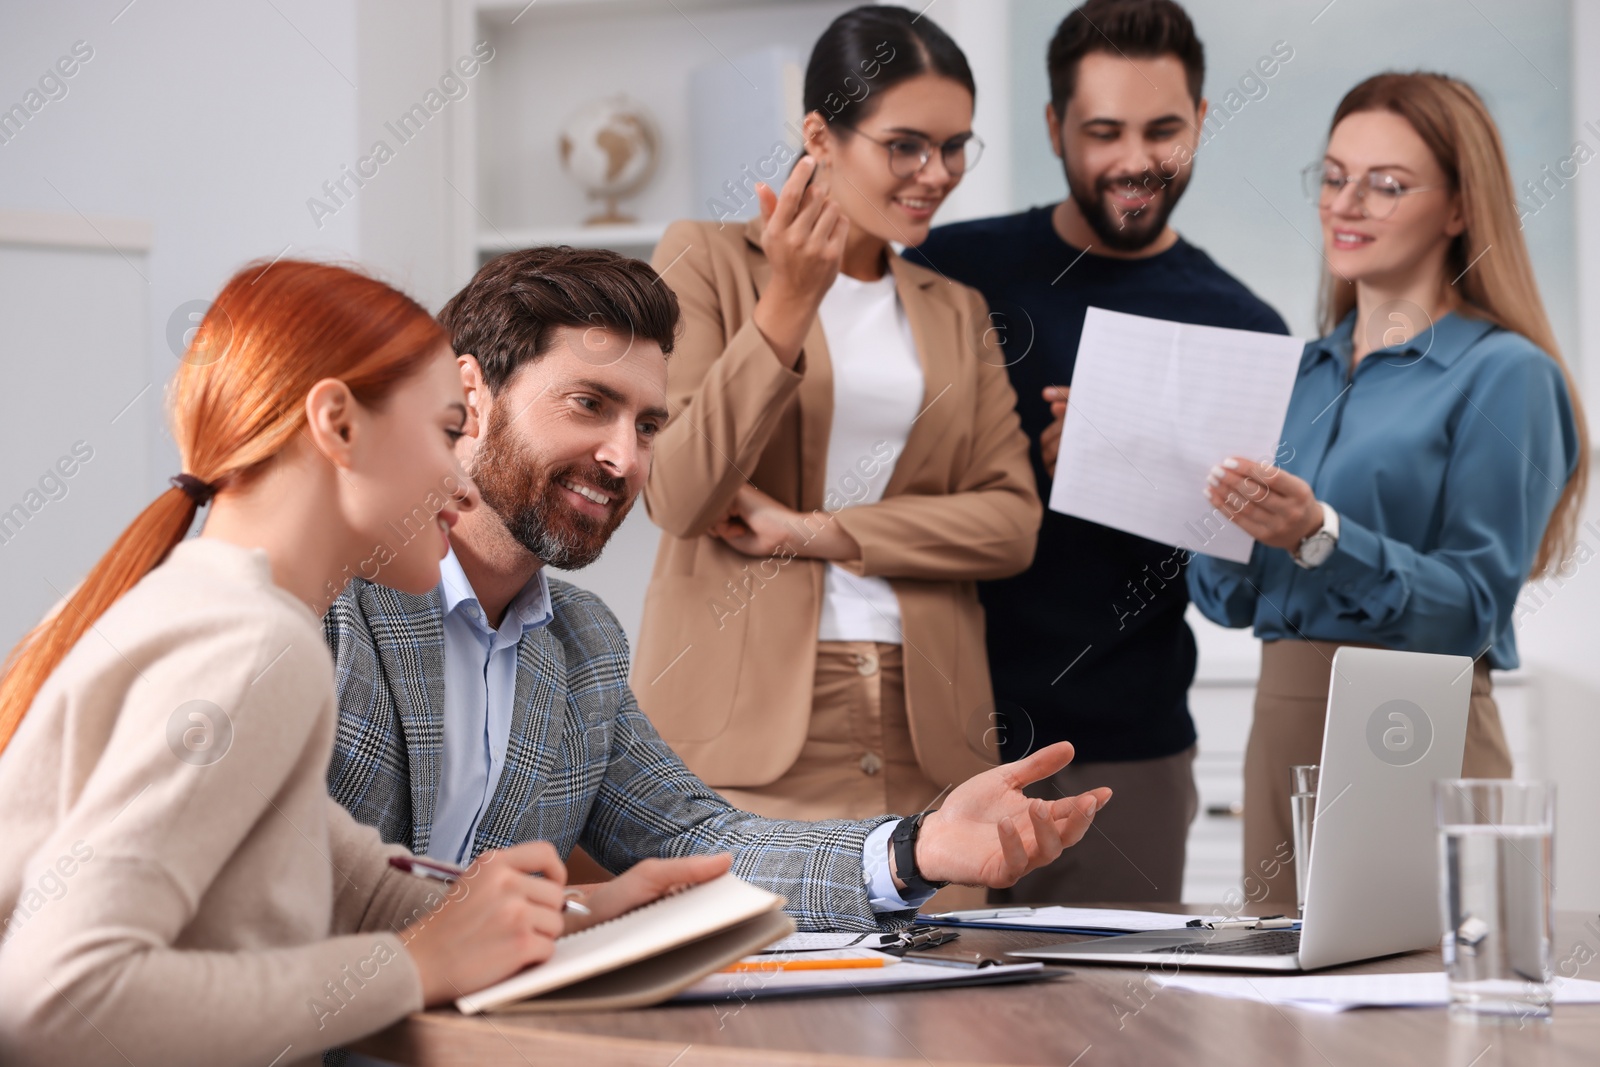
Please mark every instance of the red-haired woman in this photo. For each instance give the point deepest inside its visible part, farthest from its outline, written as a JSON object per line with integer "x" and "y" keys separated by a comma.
{"x": 176, "y": 884}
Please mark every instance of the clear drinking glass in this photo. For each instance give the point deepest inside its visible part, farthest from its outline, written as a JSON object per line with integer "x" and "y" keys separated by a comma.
{"x": 1303, "y": 811}
{"x": 1496, "y": 882}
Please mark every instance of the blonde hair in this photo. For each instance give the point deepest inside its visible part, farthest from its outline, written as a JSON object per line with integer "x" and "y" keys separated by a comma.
{"x": 238, "y": 398}
{"x": 1453, "y": 122}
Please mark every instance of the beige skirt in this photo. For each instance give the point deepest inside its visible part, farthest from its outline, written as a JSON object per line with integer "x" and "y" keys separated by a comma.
{"x": 1291, "y": 710}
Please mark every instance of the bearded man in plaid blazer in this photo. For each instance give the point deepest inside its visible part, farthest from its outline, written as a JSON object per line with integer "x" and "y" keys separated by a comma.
{"x": 496, "y": 709}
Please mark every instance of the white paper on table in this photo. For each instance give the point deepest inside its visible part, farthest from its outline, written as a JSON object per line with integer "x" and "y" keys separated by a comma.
{"x": 1155, "y": 405}
{"x": 1111, "y": 920}
{"x": 1341, "y": 992}
{"x": 828, "y": 940}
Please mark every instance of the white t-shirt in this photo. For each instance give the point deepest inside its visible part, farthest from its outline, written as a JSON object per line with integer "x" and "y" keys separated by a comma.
{"x": 877, "y": 393}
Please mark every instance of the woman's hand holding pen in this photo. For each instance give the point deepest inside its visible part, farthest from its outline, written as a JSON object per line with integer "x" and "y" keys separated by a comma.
{"x": 504, "y": 913}
{"x": 803, "y": 238}
{"x": 495, "y": 921}
{"x": 1266, "y": 502}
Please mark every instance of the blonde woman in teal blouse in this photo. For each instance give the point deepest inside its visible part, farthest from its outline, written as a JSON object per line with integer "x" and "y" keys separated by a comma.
{"x": 1436, "y": 447}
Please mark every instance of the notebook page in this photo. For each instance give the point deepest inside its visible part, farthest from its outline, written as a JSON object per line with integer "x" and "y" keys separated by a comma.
{"x": 1155, "y": 405}
{"x": 640, "y": 934}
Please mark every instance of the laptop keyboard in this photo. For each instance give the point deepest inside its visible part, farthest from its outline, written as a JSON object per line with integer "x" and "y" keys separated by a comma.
{"x": 1262, "y": 943}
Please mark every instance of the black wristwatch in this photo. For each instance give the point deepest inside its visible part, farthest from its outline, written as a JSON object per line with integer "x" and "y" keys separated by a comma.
{"x": 904, "y": 843}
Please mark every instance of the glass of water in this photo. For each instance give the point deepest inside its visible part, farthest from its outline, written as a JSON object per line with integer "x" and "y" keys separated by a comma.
{"x": 1496, "y": 881}
{"x": 1303, "y": 810}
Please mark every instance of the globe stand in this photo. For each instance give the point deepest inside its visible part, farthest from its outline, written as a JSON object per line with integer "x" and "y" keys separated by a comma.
{"x": 611, "y": 216}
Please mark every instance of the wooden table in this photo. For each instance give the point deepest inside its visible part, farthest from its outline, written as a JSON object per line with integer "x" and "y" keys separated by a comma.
{"x": 1098, "y": 1016}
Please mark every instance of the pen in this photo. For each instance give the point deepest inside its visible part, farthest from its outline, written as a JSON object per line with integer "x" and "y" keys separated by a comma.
{"x": 1266, "y": 922}
{"x": 423, "y": 867}
{"x": 993, "y": 913}
{"x": 759, "y": 966}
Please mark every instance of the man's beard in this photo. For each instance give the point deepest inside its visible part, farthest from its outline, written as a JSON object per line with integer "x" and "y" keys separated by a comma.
{"x": 1135, "y": 231}
{"x": 527, "y": 497}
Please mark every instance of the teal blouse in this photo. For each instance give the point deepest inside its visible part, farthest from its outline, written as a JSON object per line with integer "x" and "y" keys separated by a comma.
{"x": 1444, "y": 458}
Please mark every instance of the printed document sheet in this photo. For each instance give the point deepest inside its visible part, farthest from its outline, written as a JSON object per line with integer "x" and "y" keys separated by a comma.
{"x": 1154, "y": 406}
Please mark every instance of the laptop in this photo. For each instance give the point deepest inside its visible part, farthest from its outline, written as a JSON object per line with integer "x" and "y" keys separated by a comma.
{"x": 1397, "y": 721}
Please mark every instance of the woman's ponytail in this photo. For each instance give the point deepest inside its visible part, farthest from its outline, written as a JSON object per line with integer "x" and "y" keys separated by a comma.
{"x": 143, "y": 545}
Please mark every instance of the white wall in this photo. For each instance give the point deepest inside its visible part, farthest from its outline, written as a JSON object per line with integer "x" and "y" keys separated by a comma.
{"x": 1560, "y": 617}
{"x": 75, "y": 445}
{"x": 211, "y": 122}
{"x": 1585, "y": 39}
{"x": 404, "y": 212}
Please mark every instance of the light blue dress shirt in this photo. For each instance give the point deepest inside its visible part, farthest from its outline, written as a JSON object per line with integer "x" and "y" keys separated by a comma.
{"x": 1444, "y": 458}
{"x": 480, "y": 688}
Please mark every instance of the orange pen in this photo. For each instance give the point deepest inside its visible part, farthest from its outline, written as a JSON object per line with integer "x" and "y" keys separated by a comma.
{"x": 767, "y": 966}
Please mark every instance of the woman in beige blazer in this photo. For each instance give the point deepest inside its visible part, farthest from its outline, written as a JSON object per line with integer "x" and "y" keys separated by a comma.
{"x": 843, "y": 461}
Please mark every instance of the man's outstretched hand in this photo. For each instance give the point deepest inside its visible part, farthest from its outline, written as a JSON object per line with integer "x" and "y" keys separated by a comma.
{"x": 988, "y": 833}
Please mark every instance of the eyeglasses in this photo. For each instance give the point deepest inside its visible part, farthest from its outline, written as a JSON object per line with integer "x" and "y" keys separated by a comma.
{"x": 1377, "y": 194}
{"x": 909, "y": 153}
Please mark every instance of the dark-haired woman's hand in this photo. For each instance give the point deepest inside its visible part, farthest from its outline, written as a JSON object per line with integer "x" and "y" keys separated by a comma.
{"x": 759, "y": 526}
{"x": 803, "y": 237}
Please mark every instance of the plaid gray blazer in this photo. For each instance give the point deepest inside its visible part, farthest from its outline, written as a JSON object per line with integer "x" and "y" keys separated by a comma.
{"x": 583, "y": 765}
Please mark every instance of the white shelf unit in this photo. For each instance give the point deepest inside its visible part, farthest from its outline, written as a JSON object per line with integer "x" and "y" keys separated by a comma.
{"x": 553, "y": 56}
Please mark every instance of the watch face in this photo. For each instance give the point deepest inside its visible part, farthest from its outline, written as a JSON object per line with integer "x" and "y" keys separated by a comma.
{"x": 1317, "y": 548}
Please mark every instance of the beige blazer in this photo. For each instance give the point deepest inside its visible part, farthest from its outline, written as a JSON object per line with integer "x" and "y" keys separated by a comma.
{"x": 728, "y": 646}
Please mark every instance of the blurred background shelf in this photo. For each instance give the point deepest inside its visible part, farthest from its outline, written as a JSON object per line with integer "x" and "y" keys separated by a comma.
{"x": 507, "y": 188}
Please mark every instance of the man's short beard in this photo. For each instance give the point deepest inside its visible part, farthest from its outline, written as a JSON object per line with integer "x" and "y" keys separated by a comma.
{"x": 526, "y": 497}
{"x": 1135, "y": 232}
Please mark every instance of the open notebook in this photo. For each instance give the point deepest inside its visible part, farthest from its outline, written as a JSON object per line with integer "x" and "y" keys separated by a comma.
{"x": 647, "y": 955}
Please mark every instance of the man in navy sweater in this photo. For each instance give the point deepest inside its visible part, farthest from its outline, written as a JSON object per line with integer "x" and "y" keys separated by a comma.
{"x": 1090, "y": 643}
